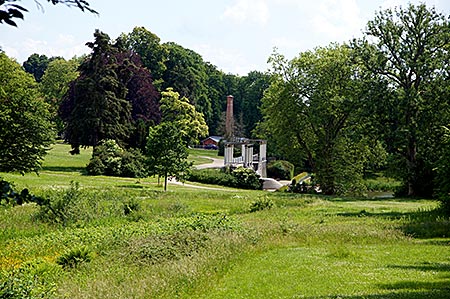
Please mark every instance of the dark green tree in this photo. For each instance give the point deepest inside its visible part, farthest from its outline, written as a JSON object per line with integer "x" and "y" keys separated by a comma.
{"x": 25, "y": 127}
{"x": 186, "y": 74}
{"x": 167, "y": 151}
{"x": 36, "y": 65}
{"x": 95, "y": 107}
{"x": 9, "y": 9}
{"x": 150, "y": 49}
{"x": 409, "y": 49}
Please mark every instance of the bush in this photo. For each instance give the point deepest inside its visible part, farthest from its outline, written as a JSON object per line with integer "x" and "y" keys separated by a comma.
{"x": 247, "y": 178}
{"x": 261, "y": 204}
{"x": 239, "y": 178}
{"x": 280, "y": 169}
{"x": 74, "y": 257}
{"x": 110, "y": 159}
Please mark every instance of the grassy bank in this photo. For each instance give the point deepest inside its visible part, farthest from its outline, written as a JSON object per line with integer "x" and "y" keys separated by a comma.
{"x": 125, "y": 238}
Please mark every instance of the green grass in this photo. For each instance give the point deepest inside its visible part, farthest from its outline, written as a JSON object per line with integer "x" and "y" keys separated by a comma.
{"x": 197, "y": 243}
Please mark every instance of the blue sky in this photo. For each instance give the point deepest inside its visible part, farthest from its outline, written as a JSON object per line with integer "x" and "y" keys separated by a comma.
{"x": 237, "y": 36}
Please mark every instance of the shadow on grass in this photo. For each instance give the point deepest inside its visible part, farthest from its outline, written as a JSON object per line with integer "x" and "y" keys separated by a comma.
{"x": 410, "y": 294}
{"x": 418, "y": 224}
{"x": 81, "y": 170}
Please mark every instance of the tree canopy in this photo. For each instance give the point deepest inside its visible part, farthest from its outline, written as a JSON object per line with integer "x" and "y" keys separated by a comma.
{"x": 113, "y": 98}
{"x": 409, "y": 49}
{"x": 309, "y": 110}
{"x": 25, "y": 127}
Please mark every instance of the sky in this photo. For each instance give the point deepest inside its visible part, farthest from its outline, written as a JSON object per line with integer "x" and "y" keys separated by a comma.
{"x": 237, "y": 36}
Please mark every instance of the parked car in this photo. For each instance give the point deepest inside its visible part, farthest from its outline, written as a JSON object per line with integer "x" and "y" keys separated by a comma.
{"x": 211, "y": 146}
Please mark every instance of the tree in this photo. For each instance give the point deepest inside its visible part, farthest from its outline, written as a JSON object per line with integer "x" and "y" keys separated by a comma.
{"x": 36, "y": 65}
{"x": 167, "y": 151}
{"x": 25, "y": 128}
{"x": 9, "y": 10}
{"x": 149, "y": 48}
{"x": 309, "y": 111}
{"x": 55, "y": 84}
{"x": 409, "y": 49}
{"x": 183, "y": 115}
{"x": 113, "y": 98}
{"x": 95, "y": 107}
{"x": 186, "y": 74}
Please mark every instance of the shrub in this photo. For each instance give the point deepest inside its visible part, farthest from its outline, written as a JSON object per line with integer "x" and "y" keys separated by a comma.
{"x": 110, "y": 159}
{"x": 280, "y": 169}
{"x": 239, "y": 178}
{"x": 247, "y": 178}
{"x": 74, "y": 257}
{"x": 261, "y": 204}
{"x": 30, "y": 281}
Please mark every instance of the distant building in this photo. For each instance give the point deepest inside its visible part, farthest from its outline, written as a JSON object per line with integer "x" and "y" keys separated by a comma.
{"x": 211, "y": 140}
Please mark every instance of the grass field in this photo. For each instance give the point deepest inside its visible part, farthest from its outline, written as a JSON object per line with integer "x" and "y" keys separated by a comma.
{"x": 125, "y": 238}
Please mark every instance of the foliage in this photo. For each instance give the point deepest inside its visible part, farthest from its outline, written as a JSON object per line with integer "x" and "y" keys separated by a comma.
{"x": 310, "y": 112}
{"x": 10, "y": 197}
{"x": 280, "y": 169}
{"x": 61, "y": 209}
{"x": 149, "y": 48}
{"x": 25, "y": 127}
{"x": 184, "y": 116}
{"x": 238, "y": 178}
{"x": 112, "y": 99}
{"x": 167, "y": 151}
{"x": 408, "y": 49}
{"x": 108, "y": 158}
{"x": 247, "y": 178}
{"x": 74, "y": 257}
{"x": 55, "y": 84}
{"x": 10, "y": 11}
{"x": 36, "y": 65}
{"x": 30, "y": 281}
{"x": 262, "y": 203}
{"x": 212, "y": 176}
{"x": 186, "y": 74}
{"x": 443, "y": 174}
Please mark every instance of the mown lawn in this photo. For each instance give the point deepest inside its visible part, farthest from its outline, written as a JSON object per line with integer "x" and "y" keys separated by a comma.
{"x": 131, "y": 240}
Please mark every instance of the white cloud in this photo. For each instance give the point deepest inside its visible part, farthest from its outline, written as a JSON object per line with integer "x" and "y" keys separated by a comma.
{"x": 229, "y": 60}
{"x": 243, "y": 11}
{"x": 64, "y": 45}
{"x": 338, "y": 20}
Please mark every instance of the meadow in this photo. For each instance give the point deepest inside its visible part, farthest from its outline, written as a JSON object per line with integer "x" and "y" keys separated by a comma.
{"x": 126, "y": 238}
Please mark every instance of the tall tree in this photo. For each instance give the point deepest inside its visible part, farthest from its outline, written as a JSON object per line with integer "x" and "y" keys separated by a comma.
{"x": 149, "y": 47}
{"x": 309, "y": 111}
{"x": 167, "y": 151}
{"x": 409, "y": 48}
{"x": 36, "y": 65}
{"x": 9, "y": 10}
{"x": 95, "y": 107}
{"x": 25, "y": 128}
{"x": 55, "y": 84}
{"x": 186, "y": 74}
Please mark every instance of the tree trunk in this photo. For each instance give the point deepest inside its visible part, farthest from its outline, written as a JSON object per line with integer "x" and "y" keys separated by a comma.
{"x": 412, "y": 167}
{"x": 165, "y": 182}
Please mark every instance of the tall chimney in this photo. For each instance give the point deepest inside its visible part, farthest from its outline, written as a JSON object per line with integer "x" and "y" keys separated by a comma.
{"x": 230, "y": 118}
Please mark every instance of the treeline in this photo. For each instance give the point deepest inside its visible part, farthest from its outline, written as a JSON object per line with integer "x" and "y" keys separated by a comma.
{"x": 170, "y": 66}
{"x": 378, "y": 102}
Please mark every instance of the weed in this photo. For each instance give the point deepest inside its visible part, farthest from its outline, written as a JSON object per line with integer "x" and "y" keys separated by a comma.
{"x": 262, "y": 203}
{"x": 74, "y": 258}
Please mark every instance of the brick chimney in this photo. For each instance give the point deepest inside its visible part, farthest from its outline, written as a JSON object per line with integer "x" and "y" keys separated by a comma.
{"x": 229, "y": 118}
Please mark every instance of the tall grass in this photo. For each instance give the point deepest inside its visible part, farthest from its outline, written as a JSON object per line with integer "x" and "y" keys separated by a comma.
{"x": 126, "y": 238}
